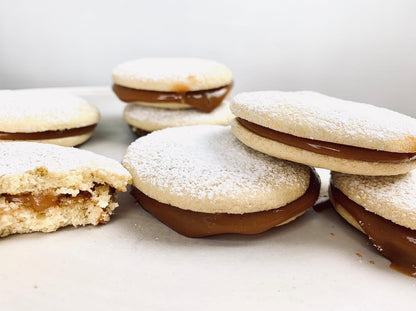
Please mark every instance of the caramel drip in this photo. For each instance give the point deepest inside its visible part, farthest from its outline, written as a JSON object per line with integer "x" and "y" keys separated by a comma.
{"x": 139, "y": 132}
{"x": 196, "y": 224}
{"x": 321, "y": 206}
{"x": 47, "y": 134}
{"x": 205, "y": 100}
{"x": 395, "y": 242}
{"x": 328, "y": 148}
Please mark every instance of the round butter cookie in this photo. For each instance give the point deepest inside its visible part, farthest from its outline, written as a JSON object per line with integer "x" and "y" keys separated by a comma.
{"x": 144, "y": 120}
{"x": 201, "y": 181}
{"x": 384, "y": 208}
{"x": 44, "y": 187}
{"x": 326, "y": 132}
{"x": 46, "y": 116}
{"x": 173, "y": 83}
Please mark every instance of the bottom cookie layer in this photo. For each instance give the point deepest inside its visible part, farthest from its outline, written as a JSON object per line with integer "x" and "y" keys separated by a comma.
{"x": 395, "y": 242}
{"x": 69, "y": 141}
{"x": 298, "y": 155}
{"x": 45, "y": 212}
{"x": 196, "y": 224}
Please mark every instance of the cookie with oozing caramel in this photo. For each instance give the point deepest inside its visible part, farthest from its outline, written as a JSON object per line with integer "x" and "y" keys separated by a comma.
{"x": 44, "y": 187}
{"x": 173, "y": 83}
{"x": 383, "y": 208}
{"x": 201, "y": 181}
{"x": 322, "y": 131}
{"x": 46, "y": 116}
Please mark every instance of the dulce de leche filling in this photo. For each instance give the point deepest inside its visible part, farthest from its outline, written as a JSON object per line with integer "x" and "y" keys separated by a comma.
{"x": 205, "y": 100}
{"x": 395, "y": 242}
{"x": 41, "y": 201}
{"x": 47, "y": 134}
{"x": 139, "y": 132}
{"x": 196, "y": 224}
{"x": 328, "y": 148}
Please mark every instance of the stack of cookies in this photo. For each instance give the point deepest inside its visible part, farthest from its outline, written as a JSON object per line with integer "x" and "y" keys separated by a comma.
{"x": 170, "y": 92}
{"x": 370, "y": 150}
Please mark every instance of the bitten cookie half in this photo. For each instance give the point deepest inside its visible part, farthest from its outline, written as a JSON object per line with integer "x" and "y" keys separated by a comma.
{"x": 173, "y": 83}
{"x": 44, "y": 187}
{"x": 322, "y": 131}
{"x": 144, "y": 120}
{"x": 46, "y": 116}
{"x": 384, "y": 208}
{"x": 201, "y": 181}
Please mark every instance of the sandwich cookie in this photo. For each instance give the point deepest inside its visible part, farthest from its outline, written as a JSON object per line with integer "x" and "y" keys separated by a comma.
{"x": 201, "y": 181}
{"x": 44, "y": 187}
{"x": 148, "y": 119}
{"x": 173, "y": 83}
{"x": 326, "y": 132}
{"x": 46, "y": 116}
{"x": 383, "y": 208}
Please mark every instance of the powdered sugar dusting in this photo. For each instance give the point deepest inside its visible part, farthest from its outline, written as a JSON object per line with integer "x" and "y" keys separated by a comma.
{"x": 206, "y": 168}
{"x": 150, "y": 118}
{"x": 316, "y": 116}
{"x": 17, "y": 158}
{"x": 160, "y": 68}
{"x": 43, "y": 110}
{"x": 392, "y": 197}
{"x": 163, "y": 74}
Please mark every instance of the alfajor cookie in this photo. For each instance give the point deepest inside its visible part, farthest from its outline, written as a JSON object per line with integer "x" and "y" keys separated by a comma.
{"x": 44, "y": 187}
{"x": 46, "y": 116}
{"x": 384, "y": 208}
{"x": 144, "y": 120}
{"x": 326, "y": 132}
{"x": 201, "y": 181}
{"x": 173, "y": 83}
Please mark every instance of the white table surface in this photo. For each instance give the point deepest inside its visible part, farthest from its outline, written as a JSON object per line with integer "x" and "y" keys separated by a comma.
{"x": 136, "y": 263}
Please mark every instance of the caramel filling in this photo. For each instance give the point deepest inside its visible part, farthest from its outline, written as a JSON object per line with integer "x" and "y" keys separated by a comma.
{"x": 196, "y": 224}
{"x": 328, "y": 148}
{"x": 139, "y": 132}
{"x": 205, "y": 100}
{"x": 395, "y": 242}
{"x": 42, "y": 201}
{"x": 47, "y": 134}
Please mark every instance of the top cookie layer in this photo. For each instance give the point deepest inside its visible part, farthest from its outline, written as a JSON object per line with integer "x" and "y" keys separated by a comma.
{"x": 172, "y": 74}
{"x": 205, "y": 168}
{"x": 316, "y": 116}
{"x": 30, "y": 111}
{"x": 391, "y": 197}
{"x": 33, "y": 167}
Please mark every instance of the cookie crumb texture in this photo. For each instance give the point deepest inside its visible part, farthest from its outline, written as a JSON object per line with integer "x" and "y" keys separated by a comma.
{"x": 44, "y": 187}
{"x": 54, "y": 208}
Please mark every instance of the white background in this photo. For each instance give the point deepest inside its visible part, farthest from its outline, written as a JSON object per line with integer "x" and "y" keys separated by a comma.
{"x": 360, "y": 50}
